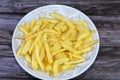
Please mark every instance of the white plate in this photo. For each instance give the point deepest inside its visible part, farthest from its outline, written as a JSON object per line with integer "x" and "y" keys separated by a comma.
{"x": 70, "y": 13}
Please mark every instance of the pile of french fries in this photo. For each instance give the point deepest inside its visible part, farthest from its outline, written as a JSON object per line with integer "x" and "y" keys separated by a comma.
{"x": 55, "y": 45}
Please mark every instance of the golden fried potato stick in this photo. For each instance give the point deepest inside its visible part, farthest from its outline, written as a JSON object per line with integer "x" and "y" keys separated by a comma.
{"x": 47, "y": 49}
{"x": 44, "y": 25}
{"x": 33, "y": 22}
{"x": 34, "y": 62}
{"x": 66, "y": 67}
{"x": 82, "y": 23}
{"x": 56, "y": 64}
{"x": 64, "y": 28}
{"x": 58, "y": 51}
{"x": 39, "y": 34}
{"x": 20, "y": 50}
{"x": 51, "y": 26}
{"x": 27, "y": 26}
{"x": 37, "y": 27}
{"x": 61, "y": 18}
{"x": 59, "y": 26}
{"x": 82, "y": 59}
{"x": 26, "y": 47}
{"x": 83, "y": 36}
{"x": 91, "y": 43}
{"x": 22, "y": 29}
{"x": 38, "y": 56}
{"x": 70, "y": 56}
{"x": 50, "y": 31}
{"x": 42, "y": 54}
{"x": 61, "y": 55}
{"x": 31, "y": 37}
{"x": 28, "y": 58}
{"x": 55, "y": 48}
{"x": 68, "y": 47}
{"x": 84, "y": 50}
{"x": 50, "y": 20}
{"x": 78, "y": 43}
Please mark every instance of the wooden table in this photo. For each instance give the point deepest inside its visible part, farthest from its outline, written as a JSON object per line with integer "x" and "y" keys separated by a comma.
{"x": 104, "y": 13}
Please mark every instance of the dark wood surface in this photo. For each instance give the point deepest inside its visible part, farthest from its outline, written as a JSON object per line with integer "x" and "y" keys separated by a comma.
{"x": 104, "y": 13}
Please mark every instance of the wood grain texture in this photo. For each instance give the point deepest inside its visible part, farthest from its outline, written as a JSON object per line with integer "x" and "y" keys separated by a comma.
{"x": 91, "y": 7}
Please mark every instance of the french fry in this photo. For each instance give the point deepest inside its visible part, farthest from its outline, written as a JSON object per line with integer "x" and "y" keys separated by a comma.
{"x": 66, "y": 67}
{"x": 49, "y": 68}
{"x": 64, "y": 28}
{"x": 27, "y": 26}
{"x": 83, "y": 36}
{"x": 25, "y": 36}
{"x": 51, "y": 26}
{"x": 64, "y": 36}
{"x": 84, "y": 50}
{"x": 28, "y": 58}
{"x": 58, "y": 51}
{"x": 82, "y": 59}
{"x": 35, "y": 41}
{"x": 92, "y": 32}
{"x": 50, "y": 31}
{"x": 61, "y": 18}
{"x": 56, "y": 64}
{"x": 91, "y": 43}
{"x": 60, "y": 55}
{"x": 38, "y": 57}
{"x": 70, "y": 56}
{"x": 45, "y": 61}
{"x": 76, "y": 56}
{"x": 44, "y": 25}
{"x": 42, "y": 54}
{"x": 31, "y": 37}
{"x": 88, "y": 39}
{"x": 82, "y": 23}
{"x": 67, "y": 35}
{"x": 31, "y": 49}
{"x": 68, "y": 47}
{"x": 50, "y": 20}
{"x": 26, "y": 47}
{"x": 78, "y": 28}
{"x": 33, "y": 22}
{"x": 51, "y": 43}
{"x": 47, "y": 49}
{"x": 22, "y": 29}
{"x": 78, "y": 43}
{"x": 37, "y": 26}
{"x": 20, "y": 50}
{"x": 69, "y": 43}
{"x": 34, "y": 62}
{"x": 58, "y": 27}
{"x": 73, "y": 35}
{"x": 52, "y": 39}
